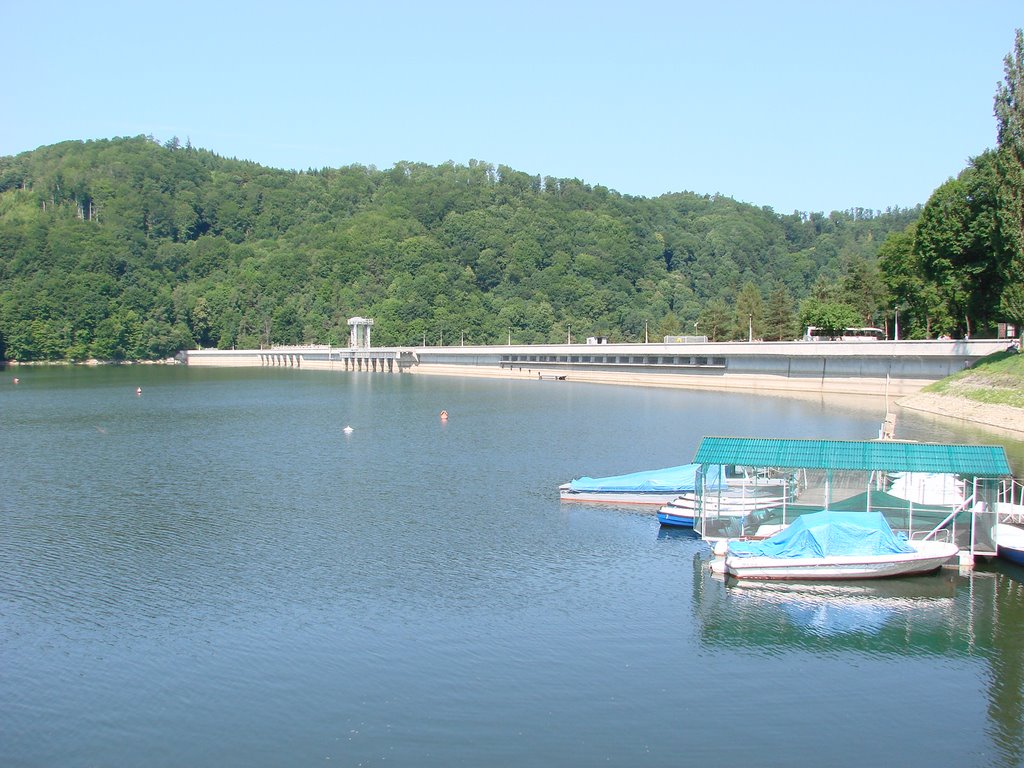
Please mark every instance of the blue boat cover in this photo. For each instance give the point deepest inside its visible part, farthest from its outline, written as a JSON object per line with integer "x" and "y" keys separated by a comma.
{"x": 670, "y": 479}
{"x": 827, "y": 533}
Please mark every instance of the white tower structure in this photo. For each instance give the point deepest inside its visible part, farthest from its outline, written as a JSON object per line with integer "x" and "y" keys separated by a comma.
{"x": 359, "y": 332}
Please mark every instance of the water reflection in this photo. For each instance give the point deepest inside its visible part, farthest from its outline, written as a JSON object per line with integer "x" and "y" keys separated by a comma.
{"x": 864, "y": 608}
{"x": 952, "y": 614}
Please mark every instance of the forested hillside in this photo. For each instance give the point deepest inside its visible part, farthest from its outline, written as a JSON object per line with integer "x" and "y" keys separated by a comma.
{"x": 127, "y": 248}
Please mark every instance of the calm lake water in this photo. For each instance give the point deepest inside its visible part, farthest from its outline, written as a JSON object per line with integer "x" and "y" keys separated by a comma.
{"x": 213, "y": 574}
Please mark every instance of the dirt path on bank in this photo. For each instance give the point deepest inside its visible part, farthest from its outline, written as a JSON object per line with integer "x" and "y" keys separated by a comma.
{"x": 1004, "y": 417}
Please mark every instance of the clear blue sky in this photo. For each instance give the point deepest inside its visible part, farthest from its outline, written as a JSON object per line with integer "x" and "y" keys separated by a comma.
{"x": 794, "y": 105}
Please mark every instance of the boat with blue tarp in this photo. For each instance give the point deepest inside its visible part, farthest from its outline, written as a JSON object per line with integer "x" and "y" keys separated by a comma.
{"x": 652, "y": 486}
{"x": 832, "y": 545}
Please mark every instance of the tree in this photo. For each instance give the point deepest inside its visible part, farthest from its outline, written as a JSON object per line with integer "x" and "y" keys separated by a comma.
{"x": 779, "y": 318}
{"x": 863, "y": 288}
{"x": 923, "y": 313}
{"x": 829, "y": 317}
{"x": 669, "y": 325}
{"x": 954, "y": 241}
{"x": 716, "y": 320}
{"x": 749, "y": 313}
{"x": 1009, "y": 111}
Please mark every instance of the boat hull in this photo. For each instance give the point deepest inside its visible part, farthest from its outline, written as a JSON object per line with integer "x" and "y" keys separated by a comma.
{"x": 674, "y": 519}
{"x": 1010, "y": 540}
{"x": 737, "y": 502}
{"x": 651, "y": 499}
{"x": 928, "y": 556}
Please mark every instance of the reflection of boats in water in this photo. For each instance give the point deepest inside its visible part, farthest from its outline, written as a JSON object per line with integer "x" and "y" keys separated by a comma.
{"x": 918, "y": 615}
{"x": 832, "y": 545}
{"x": 963, "y": 618}
{"x": 848, "y": 607}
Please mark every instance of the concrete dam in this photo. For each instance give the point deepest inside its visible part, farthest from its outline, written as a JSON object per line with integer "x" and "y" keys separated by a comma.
{"x": 893, "y": 368}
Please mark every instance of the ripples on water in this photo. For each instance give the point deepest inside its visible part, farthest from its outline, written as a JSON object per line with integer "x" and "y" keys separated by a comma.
{"x": 214, "y": 574}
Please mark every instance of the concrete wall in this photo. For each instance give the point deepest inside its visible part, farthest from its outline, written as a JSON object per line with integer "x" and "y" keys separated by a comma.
{"x": 849, "y": 367}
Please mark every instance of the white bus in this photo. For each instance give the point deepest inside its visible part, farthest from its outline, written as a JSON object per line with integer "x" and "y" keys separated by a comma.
{"x": 849, "y": 334}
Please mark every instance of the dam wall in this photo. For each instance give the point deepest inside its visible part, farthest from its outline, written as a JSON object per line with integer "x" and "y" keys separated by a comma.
{"x": 895, "y": 368}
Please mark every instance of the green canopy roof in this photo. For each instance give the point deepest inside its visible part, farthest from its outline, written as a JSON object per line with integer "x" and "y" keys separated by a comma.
{"x": 867, "y": 455}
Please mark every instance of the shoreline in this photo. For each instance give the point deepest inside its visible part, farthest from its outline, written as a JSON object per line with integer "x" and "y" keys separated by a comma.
{"x": 1002, "y": 418}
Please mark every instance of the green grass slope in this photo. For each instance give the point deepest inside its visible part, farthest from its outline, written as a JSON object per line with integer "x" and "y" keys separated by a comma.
{"x": 996, "y": 380}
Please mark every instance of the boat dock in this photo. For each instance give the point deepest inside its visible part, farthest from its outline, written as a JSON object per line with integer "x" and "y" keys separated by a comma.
{"x": 959, "y": 503}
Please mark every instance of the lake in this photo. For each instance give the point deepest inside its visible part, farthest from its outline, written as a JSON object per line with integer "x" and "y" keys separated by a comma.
{"x": 212, "y": 573}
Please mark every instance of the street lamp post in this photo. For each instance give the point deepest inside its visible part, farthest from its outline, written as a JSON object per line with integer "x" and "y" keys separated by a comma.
{"x": 896, "y": 326}
{"x": 750, "y": 327}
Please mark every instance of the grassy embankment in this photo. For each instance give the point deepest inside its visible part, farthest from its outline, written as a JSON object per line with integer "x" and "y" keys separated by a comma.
{"x": 996, "y": 380}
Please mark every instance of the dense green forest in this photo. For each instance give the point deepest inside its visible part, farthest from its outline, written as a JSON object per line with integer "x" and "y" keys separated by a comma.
{"x": 128, "y": 248}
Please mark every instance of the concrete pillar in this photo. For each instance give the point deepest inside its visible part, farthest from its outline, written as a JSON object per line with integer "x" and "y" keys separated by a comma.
{"x": 359, "y": 332}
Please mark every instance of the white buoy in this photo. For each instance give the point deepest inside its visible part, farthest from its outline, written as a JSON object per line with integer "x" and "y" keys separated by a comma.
{"x": 444, "y": 415}
{"x": 347, "y": 430}
{"x": 138, "y": 390}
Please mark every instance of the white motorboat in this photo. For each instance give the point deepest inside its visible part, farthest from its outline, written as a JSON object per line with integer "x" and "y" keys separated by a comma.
{"x": 1010, "y": 541}
{"x": 832, "y": 545}
{"x": 928, "y": 487}
{"x": 732, "y": 502}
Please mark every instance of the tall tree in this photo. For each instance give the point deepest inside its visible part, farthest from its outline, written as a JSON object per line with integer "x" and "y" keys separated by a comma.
{"x": 779, "y": 318}
{"x": 862, "y": 287}
{"x": 922, "y": 313}
{"x": 716, "y": 320}
{"x": 749, "y": 313}
{"x": 955, "y": 242}
{"x": 829, "y": 317}
{"x": 1009, "y": 111}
